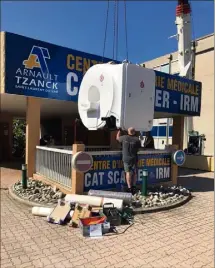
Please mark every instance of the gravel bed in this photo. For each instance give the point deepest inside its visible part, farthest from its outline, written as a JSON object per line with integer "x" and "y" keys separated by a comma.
{"x": 160, "y": 196}
{"x": 38, "y": 192}
{"x": 43, "y": 193}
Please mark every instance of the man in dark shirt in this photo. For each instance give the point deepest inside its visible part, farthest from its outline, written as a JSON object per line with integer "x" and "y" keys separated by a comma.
{"x": 130, "y": 147}
{"x": 149, "y": 141}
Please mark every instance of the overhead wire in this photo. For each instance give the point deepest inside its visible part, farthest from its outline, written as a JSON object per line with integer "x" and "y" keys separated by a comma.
{"x": 126, "y": 34}
{"x": 115, "y": 47}
{"x": 114, "y": 28}
{"x": 117, "y": 27}
{"x": 106, "y": 28}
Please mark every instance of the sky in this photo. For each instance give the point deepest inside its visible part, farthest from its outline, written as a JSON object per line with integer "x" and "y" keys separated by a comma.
{"x": 81, "y": 25}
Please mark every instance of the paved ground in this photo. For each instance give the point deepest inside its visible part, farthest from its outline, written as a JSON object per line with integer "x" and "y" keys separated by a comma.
{"x": 10, "y": 173}
{"x": 182, "y": 237}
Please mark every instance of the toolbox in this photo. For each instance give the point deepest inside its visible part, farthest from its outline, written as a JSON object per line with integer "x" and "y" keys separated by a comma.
{"x": 92, "y": 226}
{"x": 112, "y": 214}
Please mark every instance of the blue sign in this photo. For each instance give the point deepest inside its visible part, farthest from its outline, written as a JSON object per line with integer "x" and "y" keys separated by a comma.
{"x": 177, "y": 95}
{"x": 107, "y": 171}
{"x": 40, "y": 69}
{"x": 179, "y": 157}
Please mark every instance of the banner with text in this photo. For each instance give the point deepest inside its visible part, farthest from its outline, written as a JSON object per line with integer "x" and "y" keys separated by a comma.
{"x": 40, "y": 69}
{"x": 107, "y": 171}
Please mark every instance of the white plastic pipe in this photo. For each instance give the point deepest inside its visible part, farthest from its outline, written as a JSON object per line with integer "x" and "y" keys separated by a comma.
{"x": 84, "y": 199}
{"x": 118, "y": 203}
{"x": 93, "y": 200}
{"x": 71, "y": 213}
{"x": 41, "y": 211}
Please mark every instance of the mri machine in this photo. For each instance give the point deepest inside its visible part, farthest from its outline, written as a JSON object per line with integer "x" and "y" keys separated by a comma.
{"x": 117, "y": 96}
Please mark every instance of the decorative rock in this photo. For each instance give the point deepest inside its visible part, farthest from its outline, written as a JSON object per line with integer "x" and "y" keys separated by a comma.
{"x": 161, "y": 196}
{"x": 38, "y": 191}
{"x": 143, "y": 204}
{"x": 55, "y": 188}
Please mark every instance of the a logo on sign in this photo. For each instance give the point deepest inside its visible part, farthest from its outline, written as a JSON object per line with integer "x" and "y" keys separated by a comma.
{"x": 179, "y": 157}
{"x": 101, "y": 78}
{"x": 34, "y": 74}
{"x": 152, "y": 175}
{"x": 37, "y": 59}
{"x": 142, "y": 84}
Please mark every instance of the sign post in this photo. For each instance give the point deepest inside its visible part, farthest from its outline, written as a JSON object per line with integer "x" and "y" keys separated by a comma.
{"x": 82, "y": 162}
{"x": 77, "y": 177}
{"x": 179, "y": 157}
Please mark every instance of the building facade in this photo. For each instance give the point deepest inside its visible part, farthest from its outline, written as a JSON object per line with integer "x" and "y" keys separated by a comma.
{"x": 203, "y": 72}
{"x": 57, "y": 110}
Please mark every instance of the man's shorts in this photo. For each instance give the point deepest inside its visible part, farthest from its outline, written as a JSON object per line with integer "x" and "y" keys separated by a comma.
{"x": 130, "y": 167}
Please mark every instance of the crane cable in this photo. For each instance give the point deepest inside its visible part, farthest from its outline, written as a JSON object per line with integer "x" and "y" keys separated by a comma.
{"x": 126, "y": 31}
{"x": 117, "y": 26}
{"x": 106, "y": 27}
{"x": 115, "y": 29}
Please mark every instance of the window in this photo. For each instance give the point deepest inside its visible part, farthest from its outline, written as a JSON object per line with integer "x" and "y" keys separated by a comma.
{"x": 164, "y": 68}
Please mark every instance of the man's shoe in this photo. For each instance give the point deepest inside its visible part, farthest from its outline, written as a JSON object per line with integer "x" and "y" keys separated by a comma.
{"x": 133, "y": 190}
{"x": 129, "y": 190}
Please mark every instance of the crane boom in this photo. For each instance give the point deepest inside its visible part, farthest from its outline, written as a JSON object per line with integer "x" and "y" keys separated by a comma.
{"x": 183, "y": 22}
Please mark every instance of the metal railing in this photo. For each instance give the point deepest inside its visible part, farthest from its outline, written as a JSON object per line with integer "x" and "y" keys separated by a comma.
{"x": 87, "y": 148}
{"x": 54, "y": 164}
{"x": 97, "y": 148}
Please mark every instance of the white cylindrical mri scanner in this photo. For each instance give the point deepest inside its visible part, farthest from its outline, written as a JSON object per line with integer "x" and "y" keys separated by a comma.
{"x": 117, "y": 96}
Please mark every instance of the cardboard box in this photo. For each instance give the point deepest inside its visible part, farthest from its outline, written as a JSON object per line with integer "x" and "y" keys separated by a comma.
{"x": 59, "y": 213}
{"x": 81, "y": 211}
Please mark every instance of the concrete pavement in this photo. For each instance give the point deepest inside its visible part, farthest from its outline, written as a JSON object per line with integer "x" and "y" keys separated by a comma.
{"x": 182, "y": 237}
{"x": 10, "y": 173}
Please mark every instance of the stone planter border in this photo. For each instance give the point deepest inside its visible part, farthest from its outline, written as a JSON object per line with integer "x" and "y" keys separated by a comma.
{"x": 137, "y": 211}
{"x": 25, "y": 201}
{"x": 162, "y": 208}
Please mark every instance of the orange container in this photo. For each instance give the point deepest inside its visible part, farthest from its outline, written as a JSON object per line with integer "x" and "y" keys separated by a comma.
{"x": 86, "y": 224}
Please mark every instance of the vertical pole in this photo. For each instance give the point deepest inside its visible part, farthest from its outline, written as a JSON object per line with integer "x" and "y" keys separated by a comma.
{"x": 168, "y": 121}
{"x": 158, "y": 137}
{"x": 178, "y": 131}
{"x": 32, "y": 133}
{"x": 174, "y": 167}
{"x": 24, "y": 176}
{"x": 75, "y": 131}
{"x": 144, "y": 182}
{"x": 77, "y": 177}
{"x": 114, "y": 144}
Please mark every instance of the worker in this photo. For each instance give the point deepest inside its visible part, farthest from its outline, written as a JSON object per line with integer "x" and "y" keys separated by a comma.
{"x": 130, "y": 147}
{"x": 44, "y": 141}
{"x": 149, "y": 141}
